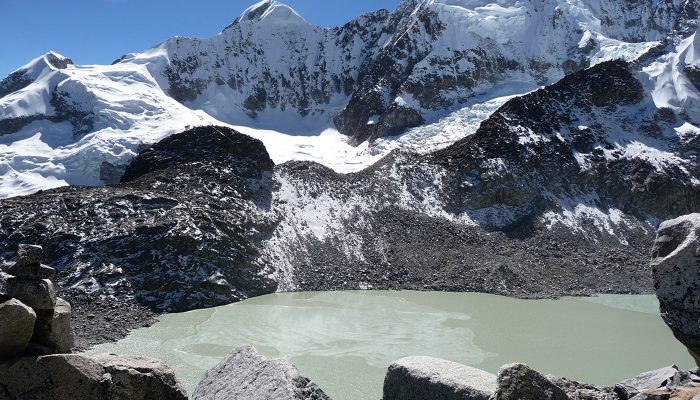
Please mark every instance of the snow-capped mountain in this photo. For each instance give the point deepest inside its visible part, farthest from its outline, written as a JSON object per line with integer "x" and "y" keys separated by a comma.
{"x": 292, "y": 84}
{"x": 556, "y": 193}
{"x": 523, "y": 147}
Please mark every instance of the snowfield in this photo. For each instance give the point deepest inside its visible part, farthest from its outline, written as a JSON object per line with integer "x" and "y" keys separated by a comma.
{"x": 80, "y": 124}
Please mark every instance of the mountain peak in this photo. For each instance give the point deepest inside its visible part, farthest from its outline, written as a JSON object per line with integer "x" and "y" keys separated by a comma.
{"x": 50, "y": 60}
{"x": 271, "y": 12}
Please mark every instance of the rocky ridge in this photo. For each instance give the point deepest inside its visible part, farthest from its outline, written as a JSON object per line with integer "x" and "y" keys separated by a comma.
{"x": 548, "y": 187}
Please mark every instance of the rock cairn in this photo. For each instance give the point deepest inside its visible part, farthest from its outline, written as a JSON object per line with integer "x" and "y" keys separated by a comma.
{"x": 33, "y": 320}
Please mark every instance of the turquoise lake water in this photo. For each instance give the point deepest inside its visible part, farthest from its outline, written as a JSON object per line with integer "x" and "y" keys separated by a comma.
{"x": 345, "y": 340}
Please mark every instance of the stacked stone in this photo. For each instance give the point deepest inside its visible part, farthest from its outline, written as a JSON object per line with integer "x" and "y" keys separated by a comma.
{"x": 33, "y": 320}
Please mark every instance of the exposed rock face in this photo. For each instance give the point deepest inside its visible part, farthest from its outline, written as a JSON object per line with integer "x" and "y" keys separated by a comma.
{"x": 16, "y": 327}
{"x": 645, "y": 382}
{"x": 676, "y": 269}
{"x": 246, "y": 374}
{"x": 419, "y": 378}
{"x": 76, "y": 377}
{"x": 520, "y": 382}
{"x": 155, "y": 236}
{"x": 680, "y": 386}
{"x": 546, "y": 198}
{"x": 582, "y": 391}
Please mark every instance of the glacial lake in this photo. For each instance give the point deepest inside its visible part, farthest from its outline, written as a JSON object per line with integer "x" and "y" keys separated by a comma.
{"x": 345, "y": 341}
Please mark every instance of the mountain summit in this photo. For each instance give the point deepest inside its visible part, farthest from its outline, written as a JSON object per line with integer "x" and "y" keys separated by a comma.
{"x": 271, "y": 12}
{"x": 371, "y": 79}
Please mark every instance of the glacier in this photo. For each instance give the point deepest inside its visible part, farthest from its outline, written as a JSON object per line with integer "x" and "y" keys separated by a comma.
{"x": 416, "y": 79}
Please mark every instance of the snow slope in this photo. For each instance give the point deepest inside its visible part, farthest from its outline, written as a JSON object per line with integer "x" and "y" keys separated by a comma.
{"x": 276, "y": 77}
{"x": 128, "y": 109}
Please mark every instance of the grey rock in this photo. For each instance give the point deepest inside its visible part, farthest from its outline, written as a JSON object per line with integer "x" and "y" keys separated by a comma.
{"x": 420, "y": 378}
{"x": 16, "y": 327}
{"x": 676, "y": 271}
{"x": 141, "y": 378}
{"x": 38, "y": 271}
{"x": 520, "y": 382}
{"x": 39, "y": 294}
{"x": 77, "y": 377}
{"x": 29, "y": 254}
{"x": 582, "y": 391}
{"x": 53, "y": 328}
{"x": 645, "y": 382}
{"x": 246, "y": 374}
{"x": 111, "y": 174}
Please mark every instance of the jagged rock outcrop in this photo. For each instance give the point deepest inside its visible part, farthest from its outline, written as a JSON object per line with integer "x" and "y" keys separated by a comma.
{"x": 182, "y": 231}
{"x": 246, "y": 374}
{"x": 557, "y": 180}
{"x": 77, "y": 377}
{"x": 419, "y": 378}
{"x": 568, "y": 141}
{"x": 676, "y": 269}
{"x": 520, "y": 382}
{"x": 645, "y": 382}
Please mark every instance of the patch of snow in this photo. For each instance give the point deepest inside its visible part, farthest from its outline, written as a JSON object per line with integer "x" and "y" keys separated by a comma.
{"x": 670, "y": 85}
{"x": 374, "y": 119}
{"x": 576, "y": 213}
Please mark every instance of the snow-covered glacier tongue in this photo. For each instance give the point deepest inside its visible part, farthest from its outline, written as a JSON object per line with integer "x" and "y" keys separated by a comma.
{"x": 437, "y": 67}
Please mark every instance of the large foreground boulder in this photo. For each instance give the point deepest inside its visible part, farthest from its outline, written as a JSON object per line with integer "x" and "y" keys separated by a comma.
{"x": 77, "y": 377}
{"x": 16, "y": 327}
{"x": 520, "y": 382}
{"x": 247, "y": 375}
{"x": 645, "y": 382}
{"x": 421, "y": 378}
{"x": 676, "y": 269}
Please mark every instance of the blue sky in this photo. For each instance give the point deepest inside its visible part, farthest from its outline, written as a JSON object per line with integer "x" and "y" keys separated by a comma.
{"x": 100, "y": 31}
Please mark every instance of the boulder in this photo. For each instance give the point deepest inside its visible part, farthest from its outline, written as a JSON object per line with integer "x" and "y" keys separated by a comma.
{"x": 53, "y": 328}
{"x": 246, "y": 374}
{"x": 16, "y": 327}
{"x": 140, "y": 378}
{"x": 645, "y": 382}
{"x": 39, "y": 294}
{"x": 582, "y": 391}
{"x": 676, "y": 270}
{"x": 520, "y": 382}
{"x": 29, "y": 254}
{"x": 77, "y": 377}
{"x": 37, "y": 271}
{"x": 420, "y": 378}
